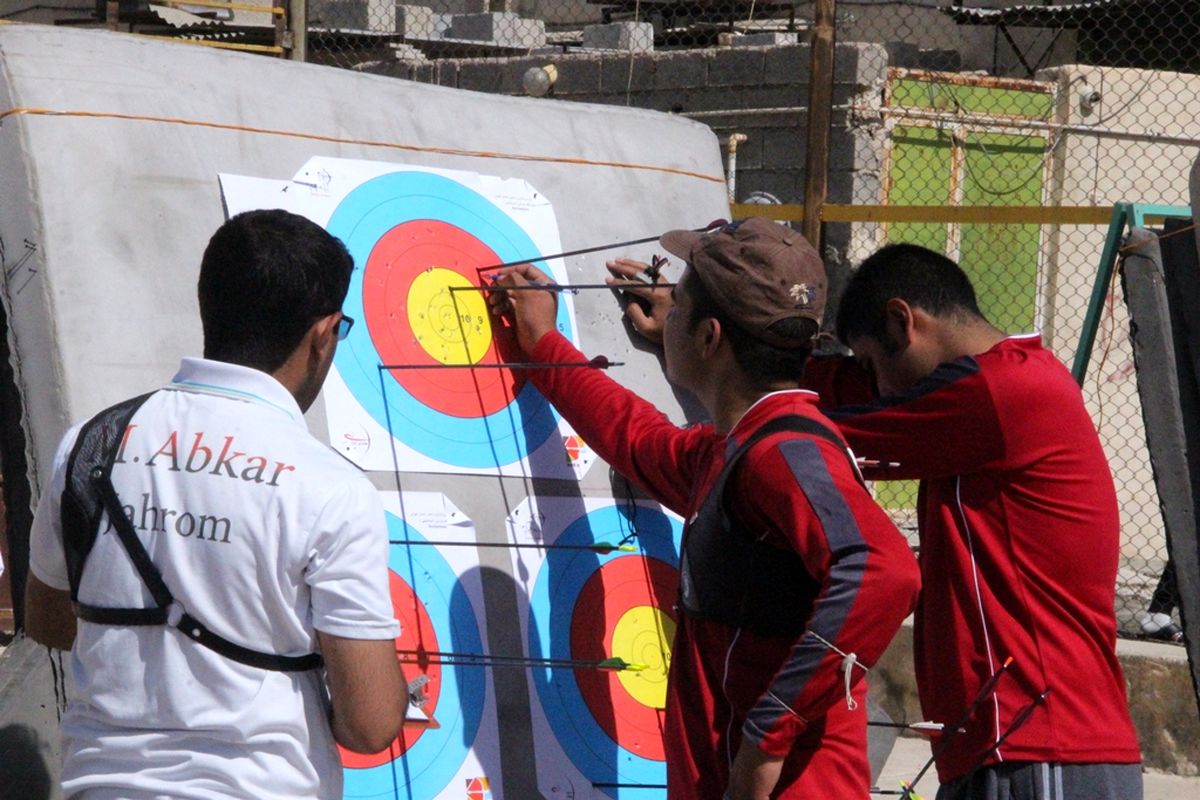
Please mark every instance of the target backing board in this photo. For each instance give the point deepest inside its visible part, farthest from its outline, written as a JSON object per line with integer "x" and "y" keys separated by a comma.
{"x": 448, "y": 748}
{"x": 419, "y": 385}
{"x": 598, "y": 732}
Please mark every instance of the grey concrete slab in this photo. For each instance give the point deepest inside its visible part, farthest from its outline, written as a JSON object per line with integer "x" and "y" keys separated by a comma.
{"x": 503, "y": 28}
{"x": 635, "y": 37}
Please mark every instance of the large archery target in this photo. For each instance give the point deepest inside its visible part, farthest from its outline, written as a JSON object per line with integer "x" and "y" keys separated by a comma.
{"x": 423, "y": 761}
{"x": 589, "y": 606}
{"x": 418, "y": 239}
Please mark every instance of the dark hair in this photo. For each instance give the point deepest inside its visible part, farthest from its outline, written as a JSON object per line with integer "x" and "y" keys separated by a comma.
{"x": 919, "y": 276}
{"x": 266, "y": 277}
{"x": 762, "y": 362}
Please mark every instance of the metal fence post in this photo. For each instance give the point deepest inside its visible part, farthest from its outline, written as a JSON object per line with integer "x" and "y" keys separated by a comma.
{"x": 298, "y": 27}
{"x": 820, "y": 118}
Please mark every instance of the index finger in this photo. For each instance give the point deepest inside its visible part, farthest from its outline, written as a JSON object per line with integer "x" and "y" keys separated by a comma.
{"x": 626, "y": 267}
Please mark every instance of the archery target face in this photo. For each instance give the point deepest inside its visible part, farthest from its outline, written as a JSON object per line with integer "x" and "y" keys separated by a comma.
{"x": 419, "y": 240}
{"x": 589, "y": 606}
{"x": 424, "y": 761}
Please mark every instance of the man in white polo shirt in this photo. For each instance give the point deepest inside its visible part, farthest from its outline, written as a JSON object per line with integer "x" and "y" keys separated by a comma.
{"x": 243, "y": 548}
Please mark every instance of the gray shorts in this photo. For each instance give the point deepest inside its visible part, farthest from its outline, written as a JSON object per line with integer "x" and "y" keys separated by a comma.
{"x": 1025, "y": 780}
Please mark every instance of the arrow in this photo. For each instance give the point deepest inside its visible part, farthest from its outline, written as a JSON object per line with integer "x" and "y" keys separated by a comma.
{"x": 563, "y": 287}
{"x": 599, "y": 362}
{"x": 984, "y": 692}
{"x": 716, "y": 223}
{"x": 616, "y": 663}
{"x": 604, "y": 548}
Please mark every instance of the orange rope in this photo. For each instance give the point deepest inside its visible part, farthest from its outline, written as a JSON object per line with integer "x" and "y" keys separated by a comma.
{"x": 45, "y": 112}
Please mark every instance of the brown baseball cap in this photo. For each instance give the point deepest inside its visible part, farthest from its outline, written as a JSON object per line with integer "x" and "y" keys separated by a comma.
{"x": 758, "y": 272}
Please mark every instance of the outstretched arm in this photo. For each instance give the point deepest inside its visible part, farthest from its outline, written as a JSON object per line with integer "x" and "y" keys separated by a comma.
{"x": 637, "y": 439}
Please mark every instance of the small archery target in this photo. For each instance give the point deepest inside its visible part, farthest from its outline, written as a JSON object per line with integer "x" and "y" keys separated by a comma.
{"x": 588, "y": 607}
{"x": 420, "y": 240}
{"x": 433, "y": 618}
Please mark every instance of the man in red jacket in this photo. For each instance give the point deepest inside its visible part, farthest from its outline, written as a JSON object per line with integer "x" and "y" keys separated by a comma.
{"x": 792, "y": 580}
{"x": 1019, "y": 534}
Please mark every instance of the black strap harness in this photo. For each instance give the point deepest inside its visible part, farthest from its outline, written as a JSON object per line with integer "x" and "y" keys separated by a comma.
{"x": 88, "y": 494}
{"x": 727, "y": 574}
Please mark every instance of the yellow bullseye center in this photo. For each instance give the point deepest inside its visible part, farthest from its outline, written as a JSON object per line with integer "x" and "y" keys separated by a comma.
{"x": 451, "y": 326}
{"x": 643, "y": 635}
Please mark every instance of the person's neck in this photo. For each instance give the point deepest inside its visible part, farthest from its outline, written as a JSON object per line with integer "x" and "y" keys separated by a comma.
{"x": 728, "y": 397}
{"x": 970, "y": 340}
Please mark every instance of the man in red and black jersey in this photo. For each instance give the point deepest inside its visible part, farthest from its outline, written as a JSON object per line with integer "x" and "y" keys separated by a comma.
{"x": 792, "y": 580}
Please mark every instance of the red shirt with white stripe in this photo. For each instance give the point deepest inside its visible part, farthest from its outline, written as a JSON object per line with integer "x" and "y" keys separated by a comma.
{"x": 727, "y": 686}
{"x": 1019, "y": 547}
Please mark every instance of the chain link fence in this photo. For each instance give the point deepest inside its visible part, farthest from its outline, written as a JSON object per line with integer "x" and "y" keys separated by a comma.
{"x": 942, "y": 108}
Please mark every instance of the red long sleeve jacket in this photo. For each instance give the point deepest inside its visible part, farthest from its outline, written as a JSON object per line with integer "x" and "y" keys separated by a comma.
{"x": 728, "y": 686}
{"x": 1019, "y": 544}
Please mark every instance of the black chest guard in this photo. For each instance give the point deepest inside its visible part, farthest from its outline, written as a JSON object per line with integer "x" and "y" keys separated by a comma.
{"x": 728, "y": 575}
{"x": 88, "y": 494}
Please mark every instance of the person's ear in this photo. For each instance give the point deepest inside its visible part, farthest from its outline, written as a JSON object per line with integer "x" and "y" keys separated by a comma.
{"x": 322, "y": 335}
{"x": 710, "y": 330}
{"x": 899, "y": 322}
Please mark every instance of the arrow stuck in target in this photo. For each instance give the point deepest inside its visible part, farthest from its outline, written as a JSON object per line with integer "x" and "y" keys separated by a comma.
{"x": 615, "y": 664}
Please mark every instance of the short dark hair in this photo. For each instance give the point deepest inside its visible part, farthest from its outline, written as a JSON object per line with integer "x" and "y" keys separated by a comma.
{"x": 917, "y": 275}
{"x": 762, "y": 362}
{"x": 266, "y": 277}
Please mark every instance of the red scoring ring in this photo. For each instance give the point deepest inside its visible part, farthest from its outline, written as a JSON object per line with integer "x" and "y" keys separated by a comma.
{"x": 395, "y": 261}
{"x": 416, "y": 633}
{"x": 619, "y": 585}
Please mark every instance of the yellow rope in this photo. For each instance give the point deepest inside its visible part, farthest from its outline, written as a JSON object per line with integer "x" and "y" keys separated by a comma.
{"x": 413, "y": 148}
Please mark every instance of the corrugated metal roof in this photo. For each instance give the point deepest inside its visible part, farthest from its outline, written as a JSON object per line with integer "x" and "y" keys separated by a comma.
{"x": 1040, "y": 16}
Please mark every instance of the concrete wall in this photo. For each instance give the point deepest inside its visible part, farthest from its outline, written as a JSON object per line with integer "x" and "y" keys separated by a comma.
{"x": 761, "y": 92}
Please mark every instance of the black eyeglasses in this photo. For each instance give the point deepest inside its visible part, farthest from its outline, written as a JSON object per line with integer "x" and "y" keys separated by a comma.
{"x": 343, "y": 327}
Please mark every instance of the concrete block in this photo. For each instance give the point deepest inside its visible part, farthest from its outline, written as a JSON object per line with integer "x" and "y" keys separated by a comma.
{"x": 774, "y": 97}
{"x": 681, "y": 69}
{"x": 503, "y": 29}
{"x": 377, "y": 16}
{"x": 903, "y": 54}
{"x": 709, "y": 100}
{"x": 749, "y": 152}
{"x": 632, "y": 73}
{"x": 737, "y": 67}
{"x": 577, "y": 75}
{"x": 784, "y": 148}
{"x": 420, "y": 22}
{"x": 407, "y": 53}
{"x": 940, "y": 60}
{"x": 458, "y": 6}
{"x": 445, "y": 73}
{"x": 787, "y": 65}
{"x": 860, "y": 63}
{"x": 637, "y": 37}
{"x": 767, "y": 39}
{"x": 480, "y": 76}
{"x": 669, "y": 101}
{"x": 788, "y": 186}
